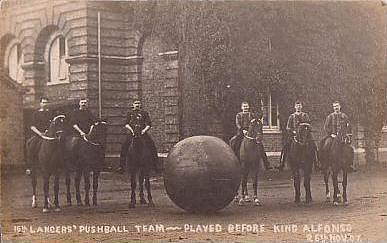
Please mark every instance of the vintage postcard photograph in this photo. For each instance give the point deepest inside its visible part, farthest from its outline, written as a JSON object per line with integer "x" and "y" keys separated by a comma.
{"x": 193, "y": 121}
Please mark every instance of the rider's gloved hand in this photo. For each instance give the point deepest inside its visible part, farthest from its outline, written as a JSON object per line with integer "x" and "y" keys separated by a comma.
{"x": 333, "y": 135}
{"x": 28, "y": 172}
{"x": 82, "y": 133}
{"x": 244, "y": 132}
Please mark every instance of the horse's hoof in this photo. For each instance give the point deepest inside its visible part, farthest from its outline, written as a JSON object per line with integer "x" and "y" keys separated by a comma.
{"x": 336, "y": 203}
{"x": 247, "y": 199}
{"x": 151, "y": 204}
{"x": 131, "y": 205}
{"x": 69, "y": 204}
{"x": 241, "y": 202}
{"x": 57, "y": 209}
{"x": 345, "y": 203}
{"x": 328, "y": 197}
{"x": 34, "y": 205}
{"x": 143, "y": 201}
{"x": 87, "y": 204}
{"x": 257, "y": 202}
{"x": 95, "y": 204}
{"x": 45, "y": 210}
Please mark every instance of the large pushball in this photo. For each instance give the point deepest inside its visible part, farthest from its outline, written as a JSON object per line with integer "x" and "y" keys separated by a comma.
{"x": 202, "y": 174}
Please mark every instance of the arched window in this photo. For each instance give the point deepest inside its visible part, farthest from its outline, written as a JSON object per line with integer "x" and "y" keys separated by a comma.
{"x": 58, "y": 68}
{"x": 14, "y": 62}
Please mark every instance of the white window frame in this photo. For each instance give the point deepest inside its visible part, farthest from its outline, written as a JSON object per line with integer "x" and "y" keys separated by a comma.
{"x": 62, "y": 63}
{"x": 271, "y": 128}
{"x": 20, "y": 60}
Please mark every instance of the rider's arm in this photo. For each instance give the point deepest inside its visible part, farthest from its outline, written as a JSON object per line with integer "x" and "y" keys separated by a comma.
{"x": 76, "y": 127}
{"x": 238, "y": 122}
{"x": 127, "y": 126}
{"x": 290, "y": 125}
{"x": 328, "y": 125}
{"x": 147, "y": 122}
{"x": 36, "y": 131}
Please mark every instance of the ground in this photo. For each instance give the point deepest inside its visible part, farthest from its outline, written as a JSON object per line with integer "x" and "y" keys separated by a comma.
{"x": 363, "y": 219}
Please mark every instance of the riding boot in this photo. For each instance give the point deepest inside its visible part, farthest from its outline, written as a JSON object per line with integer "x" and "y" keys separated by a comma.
{"x": 123, "y": 155}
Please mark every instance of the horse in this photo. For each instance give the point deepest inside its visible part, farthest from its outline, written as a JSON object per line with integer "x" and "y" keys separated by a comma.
{"x": 302, "y": 156}
{"x": 335, "y": 154}
{"x": 45, "y": 154}
{"x": 86, "y": 154}
{"x": 250, "y": 155}
{"x": 139, "y": 161}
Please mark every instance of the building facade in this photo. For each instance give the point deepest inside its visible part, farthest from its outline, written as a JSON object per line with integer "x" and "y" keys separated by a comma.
{"x": 193, "y": 63}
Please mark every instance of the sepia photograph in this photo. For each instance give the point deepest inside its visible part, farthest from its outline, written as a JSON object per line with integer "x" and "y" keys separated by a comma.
{"x": 193, "y": 121}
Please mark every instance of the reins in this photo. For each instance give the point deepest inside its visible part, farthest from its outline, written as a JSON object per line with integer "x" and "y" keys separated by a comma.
{"x": 91, "y": 129}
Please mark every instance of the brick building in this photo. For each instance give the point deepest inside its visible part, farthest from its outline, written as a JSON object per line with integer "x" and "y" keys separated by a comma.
{"x": 193, "y": 63}
{"x": 11, "y": 122}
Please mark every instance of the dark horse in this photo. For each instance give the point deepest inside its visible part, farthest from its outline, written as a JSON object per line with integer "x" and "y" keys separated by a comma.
{"x": 140, "y": 162}
{"x": 85, "y": 155}
{"x": 335, "y": 154}
{"x": 250, "y": 155}
{"x": 301, "y": 155}
{"x": 45, "y": 154}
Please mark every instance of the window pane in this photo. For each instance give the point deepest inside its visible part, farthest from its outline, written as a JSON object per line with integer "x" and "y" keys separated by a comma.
{"x": 54, "y": 61}
{"x": 13, "y": 62}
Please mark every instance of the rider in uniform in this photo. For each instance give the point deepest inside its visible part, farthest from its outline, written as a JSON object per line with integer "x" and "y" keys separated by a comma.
{"x": 141, "y": 118}
{"x": 337, "y": 124}
{"x": 294, "y": 121}
{"x": 82, "y": 119}
{"x": 41, "y": 119}
{"x": 242, "y": 122}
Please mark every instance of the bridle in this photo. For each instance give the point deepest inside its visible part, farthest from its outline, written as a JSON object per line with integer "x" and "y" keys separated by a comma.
{"x": 91, "y": 129}
{"x": 58, "y": 132}
{"x": 295, "y": 139}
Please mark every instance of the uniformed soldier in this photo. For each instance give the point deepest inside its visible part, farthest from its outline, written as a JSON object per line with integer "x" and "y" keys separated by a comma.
{"x": 294, "y": 121}
{"x": 141, "y": 118}
{"x": 337, "y": 124}
{"x": 242, "y": 122}
{"x": 82, "y": 119}
{"x": 41, "y": 119}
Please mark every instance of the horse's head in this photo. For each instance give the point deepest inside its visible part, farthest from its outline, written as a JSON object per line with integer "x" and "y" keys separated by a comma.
{"x": 57, "y": 127}
{"x": 304, "y": 132}
{"x": 347, "y": 138}
{"x": 98, "y": 132}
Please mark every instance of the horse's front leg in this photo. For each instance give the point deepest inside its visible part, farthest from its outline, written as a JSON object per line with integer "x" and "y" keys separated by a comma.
{"x": 46, "y": 187}
{"x": 326, "y": 181}
{"x": 141, "y": 177}
{"x": 308, "y": 193}
{"x": 86, "y": 180}
{"x": 68, "y": 188}
{"x": 244, "y": 187}
{"x": 296, "y": 184}
{"x": 34, "y": 183}
{"x": 133, "y": 188}
{"x": 345, "y": 183}
{"x": 95, "y": 187}
{"x": 148, "y": 190}
{"x": 255, "y": 188}
{"x": 335, "y": 188}
{"x": 77, "y": 183}
{"x": 56, "y": 192}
